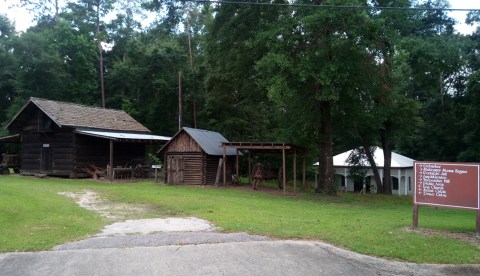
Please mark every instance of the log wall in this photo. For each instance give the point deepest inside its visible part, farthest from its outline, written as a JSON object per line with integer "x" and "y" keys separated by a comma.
{"x": 186, "y": 163}
{"x": 48, "y": 152}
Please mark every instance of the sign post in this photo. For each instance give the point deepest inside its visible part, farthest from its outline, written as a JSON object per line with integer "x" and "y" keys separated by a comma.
{"x": 156, "y": 167}
{"x": 452, "y": 185}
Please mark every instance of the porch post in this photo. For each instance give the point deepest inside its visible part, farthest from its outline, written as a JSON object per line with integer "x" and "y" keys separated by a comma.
{"x": 284, "y": 173}
{"x": 295, "y": 170}
{"x": 236, "y": 171}
{"x": 399, "y": 182}
{"x": 224, "y": 165}
{"x": 304, "y": 171}
{"x": 110, "y": 173}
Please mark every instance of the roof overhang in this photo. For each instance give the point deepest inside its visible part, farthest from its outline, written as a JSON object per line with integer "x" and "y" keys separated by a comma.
{"x": 11, "y": 139}
{"x": 125, "y": 136}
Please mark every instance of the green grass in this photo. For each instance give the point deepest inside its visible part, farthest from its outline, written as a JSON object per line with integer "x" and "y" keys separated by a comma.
{"x": 34, "y": 217}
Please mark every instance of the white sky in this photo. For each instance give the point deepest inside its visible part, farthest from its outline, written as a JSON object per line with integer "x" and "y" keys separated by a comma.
{"x": 23, "y": 19}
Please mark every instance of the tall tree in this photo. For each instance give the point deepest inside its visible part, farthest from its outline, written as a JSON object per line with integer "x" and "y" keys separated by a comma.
{"x": 88, "y": 15}
{"x": 55, "y": 63}
{"x": 7, "y": 66}
{"x": 235, "y": 104}
{"x": 470, "y": 126}
{"x": 316, "y": 58}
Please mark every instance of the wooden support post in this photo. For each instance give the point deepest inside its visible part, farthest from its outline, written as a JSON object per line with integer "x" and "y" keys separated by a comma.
{"x": 236, "y": 169}
{"x": 304, "y": 174}
{"x": 284, "y": 172}
{"x": 249, "y": 169}
{"x": 110, "y": 173}
{"x": 478, "y": 224}
{"x": 415, "y": 216}
{"x": 295, "y": 170}
{"x": 224, "y": 165}
{"x": 219, "y": 172}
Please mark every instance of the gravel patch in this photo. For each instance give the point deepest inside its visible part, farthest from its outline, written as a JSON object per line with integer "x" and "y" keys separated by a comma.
{"x": 162, "y": 239}
{"x": 146, "y": 232}
{"x": 145, "y": 226}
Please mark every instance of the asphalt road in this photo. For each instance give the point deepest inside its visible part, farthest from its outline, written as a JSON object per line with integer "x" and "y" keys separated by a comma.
{"x": 195, "y": 253}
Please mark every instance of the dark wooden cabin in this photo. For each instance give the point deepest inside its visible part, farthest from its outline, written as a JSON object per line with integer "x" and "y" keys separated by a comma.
{"x": 192, "y": 157}
{"x": 61, "y": 139}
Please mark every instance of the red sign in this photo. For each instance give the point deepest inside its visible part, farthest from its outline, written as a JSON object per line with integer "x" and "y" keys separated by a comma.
{"x": 447, "y": 184}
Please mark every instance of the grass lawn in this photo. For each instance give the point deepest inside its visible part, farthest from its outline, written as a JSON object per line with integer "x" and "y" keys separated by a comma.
{"x": 33, "y": 216}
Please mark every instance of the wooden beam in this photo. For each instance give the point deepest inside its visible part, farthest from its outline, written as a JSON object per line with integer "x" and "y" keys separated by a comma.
{"x": 304, "y": 172}
{"x": 295, "y": 171}
{"x": 415, "y": 216}
{"x": 111, "y": 161}
{"x": 236, "y": 171}
{"x": 219, "y": 171}
{"x": 284, "y": 173}
{"x": 249, "y": 169}
{"x": 224, "y": 165}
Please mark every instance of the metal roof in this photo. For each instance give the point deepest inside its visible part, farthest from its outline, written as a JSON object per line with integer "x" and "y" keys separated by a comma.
{"x": 398, "y": 161}
{"x": 209, "y": 141}
{"x": 11, "y": 139}
{"x": 124, "y": 136}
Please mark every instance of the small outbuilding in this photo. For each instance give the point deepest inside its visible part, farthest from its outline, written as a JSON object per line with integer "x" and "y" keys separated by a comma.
{"x": 65, "y": 139}
{"x": 193, "y": 157}
{"x": 401, "y": 173}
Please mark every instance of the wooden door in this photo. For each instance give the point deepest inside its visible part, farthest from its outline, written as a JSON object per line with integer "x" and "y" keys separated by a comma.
{"x": 175, "y": 168}
{"x": 46, "y": 159}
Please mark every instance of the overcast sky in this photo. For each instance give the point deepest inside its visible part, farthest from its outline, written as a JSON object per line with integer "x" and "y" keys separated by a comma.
{"x": 23, "y": 20}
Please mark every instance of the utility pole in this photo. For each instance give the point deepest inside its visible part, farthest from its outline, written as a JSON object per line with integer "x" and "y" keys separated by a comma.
{"x": 194, "y": 103}
{"x": 180, "y": 100}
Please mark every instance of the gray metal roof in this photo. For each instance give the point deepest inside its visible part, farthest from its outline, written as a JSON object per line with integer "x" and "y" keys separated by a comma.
{"x": 125, "y": 136}
{"x": 209, "y": 141}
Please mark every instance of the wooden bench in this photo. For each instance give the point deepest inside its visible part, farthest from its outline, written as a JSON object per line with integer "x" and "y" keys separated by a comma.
{"x": 94, "y": 171}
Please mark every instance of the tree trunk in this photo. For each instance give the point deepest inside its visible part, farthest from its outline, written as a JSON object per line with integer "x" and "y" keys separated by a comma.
{"x": 100, "y": 57}
{"x": 325, "y": 169}
{"x": 387, "y": 156}
{"x": 373, "y": 165}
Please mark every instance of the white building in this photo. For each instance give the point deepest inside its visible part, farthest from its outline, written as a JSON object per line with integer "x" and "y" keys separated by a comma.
{"x": 401, "y": 172}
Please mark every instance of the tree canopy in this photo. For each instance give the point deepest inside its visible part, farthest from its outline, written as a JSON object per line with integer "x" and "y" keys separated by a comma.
{"x": 325, "y": 79}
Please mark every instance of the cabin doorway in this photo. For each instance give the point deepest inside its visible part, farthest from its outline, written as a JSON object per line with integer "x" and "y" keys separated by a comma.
{"x": 175, "y": 168}
{"x": 46, "y": 165}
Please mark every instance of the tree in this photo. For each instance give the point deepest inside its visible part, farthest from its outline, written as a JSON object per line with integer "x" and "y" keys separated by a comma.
{"x": 235, "y": 105}
{"x": 316, "y": 59}
{"x": 43, "y": 8}
{"x": 469, "y": 125}
{"x": 7, "y": 70}
{"x": 54, "y": 63}
{"x": 87, "y": 15}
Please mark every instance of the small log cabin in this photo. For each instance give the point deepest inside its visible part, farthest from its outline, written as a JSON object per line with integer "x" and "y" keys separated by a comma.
{"x": 192, "y": 157}
{"x": 61, "y": 139}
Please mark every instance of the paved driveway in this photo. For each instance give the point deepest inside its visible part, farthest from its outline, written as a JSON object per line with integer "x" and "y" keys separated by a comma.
{"x": 208, "y": 253}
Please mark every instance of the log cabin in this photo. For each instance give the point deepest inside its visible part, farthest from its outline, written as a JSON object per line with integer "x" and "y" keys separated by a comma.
{"x": 62, "y": 139}
{"x": 192, "y": 157}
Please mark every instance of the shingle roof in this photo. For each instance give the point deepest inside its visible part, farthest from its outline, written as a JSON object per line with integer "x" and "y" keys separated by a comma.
{"x": 76, "y": 115}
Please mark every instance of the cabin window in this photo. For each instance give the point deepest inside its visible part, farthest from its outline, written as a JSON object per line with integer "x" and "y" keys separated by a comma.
{"x": 47, "y": 122}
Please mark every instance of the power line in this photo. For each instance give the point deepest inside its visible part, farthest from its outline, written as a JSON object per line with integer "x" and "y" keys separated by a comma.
{"x": 335, "y": 7}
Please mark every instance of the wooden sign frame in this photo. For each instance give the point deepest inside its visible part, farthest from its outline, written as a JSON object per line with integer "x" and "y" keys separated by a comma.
{"x": 450, "y": 185}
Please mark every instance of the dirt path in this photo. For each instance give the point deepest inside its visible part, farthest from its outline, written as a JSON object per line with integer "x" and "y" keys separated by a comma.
{"x": 121, "y": 215}
{"x": 112, "y": 211}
